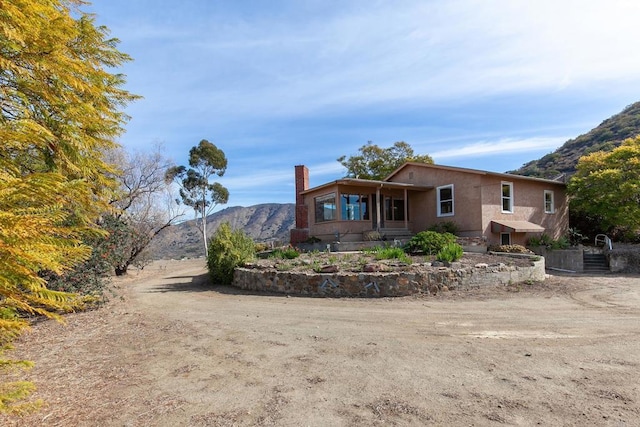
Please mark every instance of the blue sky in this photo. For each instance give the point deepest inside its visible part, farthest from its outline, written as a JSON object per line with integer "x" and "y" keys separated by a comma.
{"x": 485, "y": 84}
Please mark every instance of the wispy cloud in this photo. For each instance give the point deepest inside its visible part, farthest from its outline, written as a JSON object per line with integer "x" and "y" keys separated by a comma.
{"x": 501, "y": 146}
{"x": 286, "y": 82}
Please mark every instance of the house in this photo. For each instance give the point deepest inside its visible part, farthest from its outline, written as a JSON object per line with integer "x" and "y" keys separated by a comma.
{"x": 495, "y": 208}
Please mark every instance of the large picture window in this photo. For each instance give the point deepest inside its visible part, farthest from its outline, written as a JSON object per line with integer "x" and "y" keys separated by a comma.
{"x": 445, "y": 200}
{"x": 507, "y": 197}
{"x": 326, "y": 207}
{"x": 354, "y": 207}
{"x": 549, "y": 206}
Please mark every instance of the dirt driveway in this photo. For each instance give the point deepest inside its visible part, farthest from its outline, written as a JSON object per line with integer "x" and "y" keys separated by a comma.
{"x": 169, "y": 350}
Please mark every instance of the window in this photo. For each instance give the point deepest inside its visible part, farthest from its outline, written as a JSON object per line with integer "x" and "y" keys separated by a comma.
{"x": 354, "y": 207}
{"x": 445, "y": 200}
{"x": 394, "y": 209}
{"x": 549, "y": 206}
{"x": 326, "y": 207}
{"x": 507, "y": 197}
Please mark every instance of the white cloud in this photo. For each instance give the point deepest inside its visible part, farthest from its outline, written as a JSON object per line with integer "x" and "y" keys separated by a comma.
{"x": 500, "y": 146}
{"x": 409, "y": 51}
{"x": 387, "y": 53}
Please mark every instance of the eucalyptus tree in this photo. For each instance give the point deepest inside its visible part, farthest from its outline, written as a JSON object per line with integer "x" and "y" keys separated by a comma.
{"x": 196, "y": 191}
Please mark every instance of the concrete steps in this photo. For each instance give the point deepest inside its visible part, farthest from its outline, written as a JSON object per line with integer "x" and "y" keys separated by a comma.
{"x": 396, "y": 233}
{"x": 595, "y": 263}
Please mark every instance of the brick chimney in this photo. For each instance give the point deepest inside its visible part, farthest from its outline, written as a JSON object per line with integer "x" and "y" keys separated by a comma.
{"x": 301, "y": 232}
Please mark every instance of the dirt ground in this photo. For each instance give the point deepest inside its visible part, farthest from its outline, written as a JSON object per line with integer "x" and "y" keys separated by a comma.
{"x": 170, "y": 350}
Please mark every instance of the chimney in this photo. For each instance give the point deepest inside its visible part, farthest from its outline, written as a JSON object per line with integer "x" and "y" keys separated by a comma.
{"x": 302, "y": 183}
{"x": 301, "y": 232}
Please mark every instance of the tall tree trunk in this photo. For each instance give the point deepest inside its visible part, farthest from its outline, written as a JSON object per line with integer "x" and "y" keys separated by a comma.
{"x": 204, "y": 233}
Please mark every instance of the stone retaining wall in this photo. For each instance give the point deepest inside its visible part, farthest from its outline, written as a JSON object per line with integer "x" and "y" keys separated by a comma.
{"x": 624, "y": 258}
{"x": 350, "y": 284}
{"x": 564, "y": 259}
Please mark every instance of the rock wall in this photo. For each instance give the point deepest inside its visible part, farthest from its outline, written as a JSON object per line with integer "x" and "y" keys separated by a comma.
{"x": 348, "y": 284}
{"x": 624, "y": 259}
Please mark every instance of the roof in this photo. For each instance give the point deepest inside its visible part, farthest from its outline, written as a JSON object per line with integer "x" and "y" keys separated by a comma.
{"x": 368, "y": 183}
{"x": 500, "y": 226}
{"x": 509, "y": 176}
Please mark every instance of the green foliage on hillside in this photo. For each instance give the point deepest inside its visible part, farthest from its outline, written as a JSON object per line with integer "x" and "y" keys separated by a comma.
{"x": 606, "y": 187}
{"x": 607, "y": 136}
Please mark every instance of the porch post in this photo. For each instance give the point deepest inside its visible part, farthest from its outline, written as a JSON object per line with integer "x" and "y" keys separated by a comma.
{"x": 406, "y": 210}
{"x": 378, "y": 209}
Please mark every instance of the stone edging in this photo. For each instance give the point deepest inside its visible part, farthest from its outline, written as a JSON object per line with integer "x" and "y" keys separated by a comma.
{"x": 385, "y": 284}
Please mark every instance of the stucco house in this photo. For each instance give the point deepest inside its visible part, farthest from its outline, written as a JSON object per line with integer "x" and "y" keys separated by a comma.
{"x": 496, "y": 208}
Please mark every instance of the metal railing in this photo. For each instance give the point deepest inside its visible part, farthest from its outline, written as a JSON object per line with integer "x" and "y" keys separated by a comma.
{"x": 604, "y": 240}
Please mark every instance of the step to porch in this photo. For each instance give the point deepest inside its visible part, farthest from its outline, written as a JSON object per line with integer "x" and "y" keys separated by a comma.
{"x": 396, "y": 233}
{"x": 595, "y": 263}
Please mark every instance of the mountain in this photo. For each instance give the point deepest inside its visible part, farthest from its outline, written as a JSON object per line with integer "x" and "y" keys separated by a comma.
{"x": 266, "y": 222}
{"x": 608, "y": 135}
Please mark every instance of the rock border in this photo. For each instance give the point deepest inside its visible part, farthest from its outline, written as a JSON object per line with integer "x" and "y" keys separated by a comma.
{"x": 430, "y": 280}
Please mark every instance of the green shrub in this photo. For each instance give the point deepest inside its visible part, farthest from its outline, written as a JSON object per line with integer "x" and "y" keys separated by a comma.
{"x": 392, "y": 253}
{"x": 430, "y": 242}
{"x": 287, "y": 253}
{"x": 227, "y": 250}
{"x": 548, "y": 242}
{"x": 513, "y": 249}
{"x": 561, "y": 243}
{"x": 371, "y": 236}
{"x": 450, "y": 253}
{"x": 261, "y": 247}
{"x": 542, "y": 240}
{"x": 445, "y": 227}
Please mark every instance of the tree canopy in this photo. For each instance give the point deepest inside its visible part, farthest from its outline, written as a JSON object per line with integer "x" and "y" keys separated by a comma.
{"x": 606, "y": 187}
{"x": 205, "y": 161}
{"x": 60, "y": 109}
{"x": 377, "y": 163}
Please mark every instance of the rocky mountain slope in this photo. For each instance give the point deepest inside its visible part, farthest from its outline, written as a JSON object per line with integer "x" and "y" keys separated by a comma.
{"x": 266, "y": 222}
{"x": 608, "y": 135}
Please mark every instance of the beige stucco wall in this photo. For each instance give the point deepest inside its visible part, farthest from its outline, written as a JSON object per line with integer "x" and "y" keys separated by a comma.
{"x": 423, "y": 206}
{"x": 478, "y": 201}
{"x": 528, "y": 202}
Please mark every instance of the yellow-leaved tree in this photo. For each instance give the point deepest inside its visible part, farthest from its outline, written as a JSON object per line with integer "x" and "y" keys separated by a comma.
{"x": 60, "y": 111}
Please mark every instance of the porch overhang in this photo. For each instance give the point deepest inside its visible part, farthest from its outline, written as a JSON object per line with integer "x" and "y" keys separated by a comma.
{"x": 501, "y": 226}
{"x": 371, "y": 184}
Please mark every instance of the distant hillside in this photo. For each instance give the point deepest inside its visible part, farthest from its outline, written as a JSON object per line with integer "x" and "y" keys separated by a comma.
{"x": 262, "y": 222}
{"x": 608, "y": 135}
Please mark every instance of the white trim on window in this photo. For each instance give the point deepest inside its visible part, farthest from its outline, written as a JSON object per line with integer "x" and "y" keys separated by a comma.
{"x": 506, "y": 197}
{"x": 445, "y": 206}
{"x": 549, "y": 202}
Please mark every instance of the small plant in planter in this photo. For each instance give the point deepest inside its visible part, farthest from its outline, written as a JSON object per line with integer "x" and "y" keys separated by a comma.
{"x": 287, "y": 253}
{"x": 430, "y": 242}
{"x": 450, "y": 253}
{"x": 391, "y": 253}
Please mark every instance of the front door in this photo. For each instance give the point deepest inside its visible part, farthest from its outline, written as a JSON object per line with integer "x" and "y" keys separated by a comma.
{"x": 505, "y": 238}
